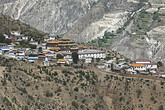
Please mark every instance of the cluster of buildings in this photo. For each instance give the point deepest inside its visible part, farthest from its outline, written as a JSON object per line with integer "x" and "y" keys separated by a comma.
{"x": 48, "y": 50}
{"x": 142, "y": 65}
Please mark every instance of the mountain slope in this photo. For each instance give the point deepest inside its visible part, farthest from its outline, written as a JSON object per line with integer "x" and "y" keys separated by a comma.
{"x": 7, "y": 24}
{"x": 30, "y": 86}
{"x": 53, "y": 16}
{"x": 144, "y": 37}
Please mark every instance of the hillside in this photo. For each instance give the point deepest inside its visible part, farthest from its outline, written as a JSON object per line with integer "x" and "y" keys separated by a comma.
{"x": 7, "y": 24}
{"x": 25, "y": 86}
{"x": 28, "y": 86}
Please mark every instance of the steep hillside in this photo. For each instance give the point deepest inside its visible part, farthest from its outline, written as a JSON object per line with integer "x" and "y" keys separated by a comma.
{"x": 132, "y": 93}
{"x": 7, "y": 24}
{"x": 28, "y": 86}
{"x": 143, "y": 37}
{"x": 53, "y": 16}
{"x": 75, "y": 16}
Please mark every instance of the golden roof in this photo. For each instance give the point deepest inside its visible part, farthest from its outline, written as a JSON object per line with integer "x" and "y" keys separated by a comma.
{"x": 53, "y": 41}
{"x": 66, "y": 38}
{"x": 45, "y": 52}
{"x": 137, "y": 65}
{"x": 67, "y": 41}
{"x": 63, "y": 60}
{"x": 59, "y": 53}
{"x": 66, "y": 44}
{"x": 82, "y": 46}
{"x": 55, "y": 48}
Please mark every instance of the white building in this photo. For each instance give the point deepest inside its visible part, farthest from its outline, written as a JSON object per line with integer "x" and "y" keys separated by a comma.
{"x": 43, "y": 46}
{"x": 91, "y": 53}
{"x": 69, "y": 58}
{"x": 16, "y": 33}
{"x": 87, "y": 54}
{"x": 25, "y": 37}
{"x": 33, "y": 42}
{"x": 148, "y": 64}
{"x": 139, "y": 67}
{"x": 63, "y": 61}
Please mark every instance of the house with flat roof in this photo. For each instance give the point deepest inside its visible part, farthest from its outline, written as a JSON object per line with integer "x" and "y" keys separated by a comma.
{"x": 139, "y": 67}
{"x": 148, "y": 64}
{"x": 62, "y": 61}
{"x": 15, "y": 33}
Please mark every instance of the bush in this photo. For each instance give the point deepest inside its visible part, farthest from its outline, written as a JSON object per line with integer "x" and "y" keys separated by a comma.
{"x": 121, "y": 98}
{"x": 49, "y": 94}
{"x": 154, "y": 87}
{"x": 75, "y": 104}
{"x": 23, "y": 90}
{"x": 76, "y": 89}
{"x": 161, "y": 107}
{"x": 152, "y": 98}
{"x": 138, "y": 91}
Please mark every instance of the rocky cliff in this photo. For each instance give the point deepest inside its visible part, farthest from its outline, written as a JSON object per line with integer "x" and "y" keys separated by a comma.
{"x": 143, "y": 37}
{"x": 53, "y": 16}
{"x": 75, "y": 16}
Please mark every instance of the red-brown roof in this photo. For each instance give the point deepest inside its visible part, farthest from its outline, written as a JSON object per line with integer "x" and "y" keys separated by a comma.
{"x": 62, "y": 60}
{"x": 53, "y": 42}
{"x": 142, "y": 60}
{"x": 152, "y": 63}
{"x": 137, "y": 65}
{"x": 155, "y": 73}
{"x": 55, "y": 48}
{"x": 41, "y": 56}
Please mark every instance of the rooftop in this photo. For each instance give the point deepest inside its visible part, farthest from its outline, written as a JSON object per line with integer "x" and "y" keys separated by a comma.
{"x": 142, "y": 60}
{"x": 55, "y": 48}
{"x": 137, "y": 65}
{"x": 62, "y": 60}
{"x": 53, "y": 41}
{"x": 66, "y": 44}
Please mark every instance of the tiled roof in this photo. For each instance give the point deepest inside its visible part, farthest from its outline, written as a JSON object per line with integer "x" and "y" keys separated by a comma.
{"x": 45, "y": 52}
{"x": 53, "y": 41}
{"x": 142, "y": 60}
{"x": 62, "y": 60}
{"x": 55, "y": 48}
{"x": 152, "y": 63}
{"x": 41, "y": 56}
{"x": 66, "y": 44}
{"x": 155, "y": 73}
{"x": 82, "y": 46}
{"x": 59, "y": 53}
{"x": 137, "y": 65}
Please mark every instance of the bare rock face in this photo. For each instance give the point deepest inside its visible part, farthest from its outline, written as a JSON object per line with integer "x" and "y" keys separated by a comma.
{"x": 73, "y": 17}
{"x": 53, "y": 16}
{"x": 152, "y": 47}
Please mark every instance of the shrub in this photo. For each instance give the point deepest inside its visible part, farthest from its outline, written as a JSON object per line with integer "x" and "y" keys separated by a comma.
{"x": 154, "y": 87}
{"x": 49, "y": 94}
{"x": 138, "y": 91}
{"x": 161, "y": 107}
{"x": 75, "y": 104}
{"x": 59, "y": 89}
{"x": 121, "y": 98}
{"x": 76, "y": 89}
{"x": 152, "y": 98}
{"x": 23, "y": 90}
